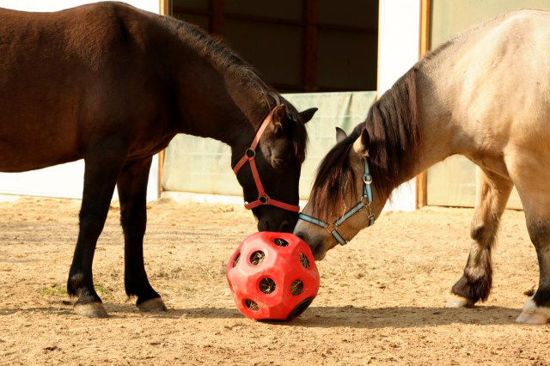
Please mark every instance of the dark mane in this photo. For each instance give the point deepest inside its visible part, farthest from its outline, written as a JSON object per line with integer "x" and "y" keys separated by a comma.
{"x": 394, "y": 136}
{"x": 335, "y": 177}
{"x": 221, "y": 56}
{"x": 225, "y": 58}
{"x": 209, "y": 46}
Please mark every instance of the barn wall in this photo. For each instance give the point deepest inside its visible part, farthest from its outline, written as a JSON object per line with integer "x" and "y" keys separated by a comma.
{"x": 202, "y": 165}
{"x": 453, "y": 182}
{"x": 64, "y": 180}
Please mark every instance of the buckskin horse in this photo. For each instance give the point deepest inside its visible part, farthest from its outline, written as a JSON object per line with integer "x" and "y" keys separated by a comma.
{"x": 113, "y": 85}
{"x": 484, "y": 95}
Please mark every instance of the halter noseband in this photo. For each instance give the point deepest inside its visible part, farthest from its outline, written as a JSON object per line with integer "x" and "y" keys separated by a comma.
{"x": 364, "y": 202}
{"x": 249, "y": 156}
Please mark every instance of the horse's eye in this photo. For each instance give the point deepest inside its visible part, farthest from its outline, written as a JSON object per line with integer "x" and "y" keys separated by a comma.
{"x": 278, "y": 163}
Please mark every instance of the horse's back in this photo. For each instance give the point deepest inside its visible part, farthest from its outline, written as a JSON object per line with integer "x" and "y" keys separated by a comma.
{"x": 498, "y": 79}
{"x": 65, "y": 73}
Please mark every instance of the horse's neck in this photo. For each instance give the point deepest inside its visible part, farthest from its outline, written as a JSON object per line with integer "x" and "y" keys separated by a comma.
{"x": 227, "y": 112}
{"x": 214, "y": 101}
{"x": 435, "y": 132}
{"x": 439, "y": 132}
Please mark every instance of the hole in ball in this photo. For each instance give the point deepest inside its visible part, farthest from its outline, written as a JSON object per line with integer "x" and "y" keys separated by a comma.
{"x": 304, "y": 260}
{"x": 300, "y": 308}
{"x": 280, "y": 242}
{"x": 257, "y": 257}
{"x": 267, "y": 285}
{"x": 251, "y": 305}
{"x": 236, "y": 260}
{"x": 296, "y": 287}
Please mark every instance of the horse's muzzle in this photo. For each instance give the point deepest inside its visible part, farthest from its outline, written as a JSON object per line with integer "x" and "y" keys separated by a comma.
{"x": 315, "y": 244}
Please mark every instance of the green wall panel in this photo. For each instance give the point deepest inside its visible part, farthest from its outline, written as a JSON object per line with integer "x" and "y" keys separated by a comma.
{"x": 200, "y": 165}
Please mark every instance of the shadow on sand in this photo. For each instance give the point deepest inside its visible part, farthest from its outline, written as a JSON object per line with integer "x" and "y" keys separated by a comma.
{"x": 325, "y": 316}
{"x": 361, "y": 317}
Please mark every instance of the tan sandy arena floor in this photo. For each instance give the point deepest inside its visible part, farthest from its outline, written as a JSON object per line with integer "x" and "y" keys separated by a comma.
{"x": 381, "y": 299}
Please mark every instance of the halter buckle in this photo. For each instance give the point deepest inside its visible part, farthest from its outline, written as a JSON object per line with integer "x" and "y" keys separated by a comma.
{"x": 365, "y": 201}
{"x": 250, "y": 153}
{"x": 264, "y": 199}
{"x": 367, "y": 179}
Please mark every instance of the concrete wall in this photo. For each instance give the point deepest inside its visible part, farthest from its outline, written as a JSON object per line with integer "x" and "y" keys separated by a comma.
{"x": 64, "y": 180}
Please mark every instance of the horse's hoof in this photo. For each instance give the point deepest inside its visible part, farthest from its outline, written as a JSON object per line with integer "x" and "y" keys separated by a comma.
{"x": 155, "y": 305}
{"x": 91, "y": 309}
{"x": 455, "y": 301}
{"x": 533, "y": 314}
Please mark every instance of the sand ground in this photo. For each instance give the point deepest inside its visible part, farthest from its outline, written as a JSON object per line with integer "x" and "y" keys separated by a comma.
{"x": 381, "y": 299}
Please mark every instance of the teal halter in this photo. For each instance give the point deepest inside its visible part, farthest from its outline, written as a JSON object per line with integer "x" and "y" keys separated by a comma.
{"x": 364, "y": 202}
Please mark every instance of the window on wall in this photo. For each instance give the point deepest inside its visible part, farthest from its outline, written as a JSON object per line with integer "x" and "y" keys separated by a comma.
{"x": 297, "y": 45}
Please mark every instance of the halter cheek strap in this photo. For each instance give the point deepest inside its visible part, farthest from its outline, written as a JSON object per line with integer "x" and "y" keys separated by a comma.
{"x": 364, "y": 203}
{"x": 250, "y": 157}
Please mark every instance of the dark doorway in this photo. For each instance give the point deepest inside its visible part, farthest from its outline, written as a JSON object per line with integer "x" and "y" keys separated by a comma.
{"x": 297, "y": 45}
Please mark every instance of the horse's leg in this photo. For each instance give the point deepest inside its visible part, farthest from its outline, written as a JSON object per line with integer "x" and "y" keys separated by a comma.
{"x": 132, "y": 191}
{"x": 475, "y": 283}
{"x": 532, "y": 181}
{"x": 102, "y": 165}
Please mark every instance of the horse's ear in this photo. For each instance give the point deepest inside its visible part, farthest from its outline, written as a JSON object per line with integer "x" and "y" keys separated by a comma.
{"x": 279, "y": 118}
{"x": 340, "y": 135}
{"x": 279, "y": 113}
{"x": 360, "y": 145}
{"x": 307, "y": 115}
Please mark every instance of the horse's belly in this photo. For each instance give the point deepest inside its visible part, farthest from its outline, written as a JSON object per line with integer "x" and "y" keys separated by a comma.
{"x": 14, "y": 163}
{"x": 19, "y": 156}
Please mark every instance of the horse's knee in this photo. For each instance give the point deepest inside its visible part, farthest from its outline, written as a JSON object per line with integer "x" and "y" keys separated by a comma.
{"x": 91, "y": 224}
{"x": 483, "y": 232}
{"x": 134, "y": 222}
{"x": 477, "y": 232}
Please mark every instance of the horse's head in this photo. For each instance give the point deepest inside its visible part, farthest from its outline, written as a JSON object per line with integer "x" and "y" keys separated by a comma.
{"x": 343, "y": 201}
{"x": 345, "y": 197}
{"x": 269, "y": 172}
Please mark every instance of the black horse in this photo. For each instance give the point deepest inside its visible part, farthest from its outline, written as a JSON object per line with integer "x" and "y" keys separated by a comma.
{"x": 113, "y": 85}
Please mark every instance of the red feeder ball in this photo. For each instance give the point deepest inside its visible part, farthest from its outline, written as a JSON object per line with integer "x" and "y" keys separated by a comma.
{"x": 272, "y": 276}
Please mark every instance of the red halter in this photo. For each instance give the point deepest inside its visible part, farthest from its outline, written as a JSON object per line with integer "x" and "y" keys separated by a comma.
{"x": 249, "y": 155}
